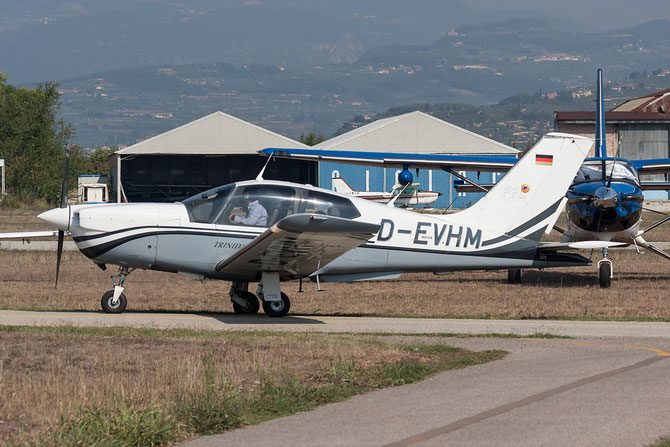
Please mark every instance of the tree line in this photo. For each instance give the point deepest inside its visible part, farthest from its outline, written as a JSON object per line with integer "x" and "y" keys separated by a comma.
{"x": 33, "y": 141}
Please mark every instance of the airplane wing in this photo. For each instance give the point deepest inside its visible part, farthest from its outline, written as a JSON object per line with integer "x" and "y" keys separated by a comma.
{"x": 656, "y": 166}
{"x": 298, "y": 245}
{"x": 655, "y": 186}
{"x": 24, "y": 235}
{"x": 580, "y": 245}
{"x": 398, "y": 160}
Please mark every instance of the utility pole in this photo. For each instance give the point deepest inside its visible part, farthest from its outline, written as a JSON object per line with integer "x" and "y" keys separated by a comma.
{"x": 2, "y": 166}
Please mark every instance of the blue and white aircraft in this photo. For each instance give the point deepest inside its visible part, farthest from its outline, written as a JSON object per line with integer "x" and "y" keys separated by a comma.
{"x": 322, "y": 235}
{"x": 603, "y": 203}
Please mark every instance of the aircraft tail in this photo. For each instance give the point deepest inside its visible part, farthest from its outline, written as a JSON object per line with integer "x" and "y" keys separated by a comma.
{"x": 529, "y": 198}
{"x": 341, "y": 186}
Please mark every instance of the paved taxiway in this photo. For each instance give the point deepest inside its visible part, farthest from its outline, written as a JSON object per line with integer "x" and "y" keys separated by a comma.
{"x": 608, "y": 386}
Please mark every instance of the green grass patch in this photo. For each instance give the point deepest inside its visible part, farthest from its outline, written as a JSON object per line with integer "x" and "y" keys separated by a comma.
{"x": 118, "y": 425}
{"x": 663, "y": 442}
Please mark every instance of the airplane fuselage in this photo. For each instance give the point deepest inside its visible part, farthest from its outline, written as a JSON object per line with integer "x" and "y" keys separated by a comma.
{"x": 164, "y": 237}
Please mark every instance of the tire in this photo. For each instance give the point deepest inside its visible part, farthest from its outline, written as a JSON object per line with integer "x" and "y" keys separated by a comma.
{"x": 107, "y": 306}
{"x": 604, "y": 275}
{"x": 277, "y": 308}
{"x": 252, "y": 304}
{"x": 514, "y": 276}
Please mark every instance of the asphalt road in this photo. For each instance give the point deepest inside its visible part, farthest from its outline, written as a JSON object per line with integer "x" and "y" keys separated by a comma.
{"x": 607, "y": 386}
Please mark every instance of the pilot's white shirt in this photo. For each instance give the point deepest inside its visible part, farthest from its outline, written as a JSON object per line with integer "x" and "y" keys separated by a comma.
{"x": 256, "y": 215}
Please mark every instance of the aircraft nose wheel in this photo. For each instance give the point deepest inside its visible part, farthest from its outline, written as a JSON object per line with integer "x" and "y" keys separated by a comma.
{"x": 111, "y": 307}
{"x": 250, "y": 303}
{"x": 605, "y": 273}
{"x": 277, "y": 308}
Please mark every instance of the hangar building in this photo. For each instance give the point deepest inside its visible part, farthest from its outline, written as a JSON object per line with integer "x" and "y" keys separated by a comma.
{"x": 637, "y": 129}
{"x": 211, "y": 151}
{"x": 414, "y": 132}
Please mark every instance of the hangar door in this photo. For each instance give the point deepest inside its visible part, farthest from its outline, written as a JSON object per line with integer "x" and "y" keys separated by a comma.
{"x": 645, "y": 141}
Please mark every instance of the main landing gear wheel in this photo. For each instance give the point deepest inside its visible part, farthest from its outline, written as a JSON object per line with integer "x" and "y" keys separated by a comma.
{"x": 277, "y": 308}
{"x": 251, "y": 304}
{"x": 514, "y": 276}
{"x": 605, "y": 275}
{"x": 109, "y": 306}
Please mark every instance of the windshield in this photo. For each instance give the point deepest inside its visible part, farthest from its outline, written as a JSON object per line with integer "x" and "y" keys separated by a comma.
{"x": 590, "y": 171}
{"x": 623, "y": 170}
{"x": 593, "y": 170}
{"x": 204, "y": 207}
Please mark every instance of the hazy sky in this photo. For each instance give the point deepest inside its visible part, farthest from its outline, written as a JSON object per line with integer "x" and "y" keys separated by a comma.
{"x": 606, "y": 14}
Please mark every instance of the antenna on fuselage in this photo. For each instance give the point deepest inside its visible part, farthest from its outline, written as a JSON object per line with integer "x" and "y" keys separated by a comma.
{"x": 601, "y": 139}
{"x": 259, "y": 177}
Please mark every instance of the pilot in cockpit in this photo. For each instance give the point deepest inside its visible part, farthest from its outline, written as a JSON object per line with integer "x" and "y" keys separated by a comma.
{"x": 256, "y": 214}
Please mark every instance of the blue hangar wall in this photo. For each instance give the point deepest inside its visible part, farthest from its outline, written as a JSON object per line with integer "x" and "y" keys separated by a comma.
{"x": 383, "y": 179}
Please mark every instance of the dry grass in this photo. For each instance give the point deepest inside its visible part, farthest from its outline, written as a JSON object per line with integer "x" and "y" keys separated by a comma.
{"x": 640, "y": 290}
{"x": 47, "y": 376}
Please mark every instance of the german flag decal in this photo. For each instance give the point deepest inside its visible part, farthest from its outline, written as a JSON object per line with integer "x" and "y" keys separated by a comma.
{"x": 546, "y": 160}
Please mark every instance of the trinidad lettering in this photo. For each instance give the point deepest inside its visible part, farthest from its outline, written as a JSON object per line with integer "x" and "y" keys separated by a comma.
{"x": 233, "y": 245}
{"x": 427, "y": 233}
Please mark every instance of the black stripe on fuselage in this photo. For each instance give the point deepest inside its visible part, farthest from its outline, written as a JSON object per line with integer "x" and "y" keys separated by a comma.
{"x": 528, "y": 224}
{"x": 110, "y": 233}
{"x": 100, "y": 249}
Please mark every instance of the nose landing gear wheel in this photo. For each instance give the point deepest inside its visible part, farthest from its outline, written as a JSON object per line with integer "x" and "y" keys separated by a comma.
{"x": 111, "y": 307}
{"x": 277, "y": 308}
{"x": 605, "y": 275}
{"x": 251, "y": 305}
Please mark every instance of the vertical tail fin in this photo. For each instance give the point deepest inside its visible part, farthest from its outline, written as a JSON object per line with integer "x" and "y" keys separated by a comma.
{"x": 528, "y": 199}
{"x": 339, "y": 185}
{"x": 601, "y": 141}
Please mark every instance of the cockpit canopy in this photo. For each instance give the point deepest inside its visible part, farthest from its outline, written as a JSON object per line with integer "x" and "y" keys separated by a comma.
{"x": 592, "y": 170}
{"x": 217, "y": 205}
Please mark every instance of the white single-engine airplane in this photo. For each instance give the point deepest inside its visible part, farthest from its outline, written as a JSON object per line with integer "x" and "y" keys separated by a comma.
{"x": 403, "y": 195}
{"x": 315, "y": 233}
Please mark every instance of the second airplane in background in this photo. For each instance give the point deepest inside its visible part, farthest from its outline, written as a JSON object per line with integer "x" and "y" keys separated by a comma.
{"x": 410, "y": 194}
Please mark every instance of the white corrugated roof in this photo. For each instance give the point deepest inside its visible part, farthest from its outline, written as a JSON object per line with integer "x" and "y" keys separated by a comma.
{"x": 415, "y": 132}
{"x": 214, "y": 134}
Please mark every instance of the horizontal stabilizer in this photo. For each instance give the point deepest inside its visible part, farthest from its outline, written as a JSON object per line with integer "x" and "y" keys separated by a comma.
{"x": 581, "y": 245}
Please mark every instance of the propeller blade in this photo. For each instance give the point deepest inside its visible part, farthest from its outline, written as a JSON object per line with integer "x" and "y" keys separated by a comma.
{"x": 579, "y": 200}
{"x": 66, "y": 178}
{"x": 61, "y": 236}
{"x": 63, "y": 204}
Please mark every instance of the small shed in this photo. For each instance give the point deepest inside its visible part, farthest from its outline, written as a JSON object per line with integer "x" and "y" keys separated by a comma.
{"x": 92, "y": 188}
{"x": 213, "y": 150}
{"x": 414, "y": 132}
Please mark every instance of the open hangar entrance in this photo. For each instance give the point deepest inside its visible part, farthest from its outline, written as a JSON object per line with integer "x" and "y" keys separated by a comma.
{"x": 214, "y": 150}
{"x": 169, "y": 178}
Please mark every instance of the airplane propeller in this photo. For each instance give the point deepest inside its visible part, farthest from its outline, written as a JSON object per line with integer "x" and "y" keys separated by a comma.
{"x": 63, "y": 204}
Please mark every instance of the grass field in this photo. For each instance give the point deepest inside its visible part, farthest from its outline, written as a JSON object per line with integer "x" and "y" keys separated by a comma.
{"x": 639, "y": 290}
{"x": 125, "y": 387}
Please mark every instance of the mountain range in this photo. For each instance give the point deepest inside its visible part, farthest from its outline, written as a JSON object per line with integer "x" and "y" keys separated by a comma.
{"x": 299, "y": 88}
